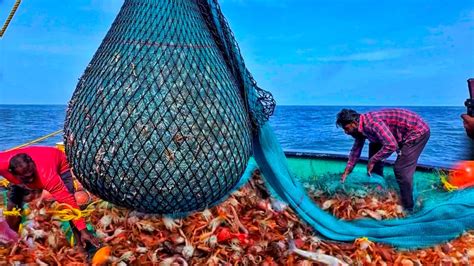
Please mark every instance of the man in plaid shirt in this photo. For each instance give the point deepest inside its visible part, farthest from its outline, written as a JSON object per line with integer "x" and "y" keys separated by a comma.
{"x": 389, "y": 130}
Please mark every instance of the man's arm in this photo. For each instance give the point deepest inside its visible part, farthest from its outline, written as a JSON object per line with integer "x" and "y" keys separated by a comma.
{"x": 353, "y": 157}
{"x": 15, "y": 200}
{"x": 58, "y": 190}
{"x": 355, "y": 154}
{"x": 60, "y": 193}
{"x": 386, "y": 138}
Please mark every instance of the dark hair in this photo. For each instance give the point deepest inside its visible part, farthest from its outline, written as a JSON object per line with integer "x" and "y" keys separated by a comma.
{"x": 346, "y": 116}
{"x": 19, "y": 160}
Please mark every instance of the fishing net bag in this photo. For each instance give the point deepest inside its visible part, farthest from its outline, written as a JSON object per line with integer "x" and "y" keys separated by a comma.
{"x": 162, "y": 119}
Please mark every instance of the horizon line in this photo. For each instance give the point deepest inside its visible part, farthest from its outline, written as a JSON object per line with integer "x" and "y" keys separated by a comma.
{"x": 286, "y": 105}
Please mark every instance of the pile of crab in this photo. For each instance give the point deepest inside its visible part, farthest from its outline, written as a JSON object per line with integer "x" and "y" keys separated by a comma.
{"x": 249, "y": 228}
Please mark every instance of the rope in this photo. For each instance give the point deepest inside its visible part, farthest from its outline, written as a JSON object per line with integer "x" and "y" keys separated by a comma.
{"x": 70, "y": 213}
{"x": 449, "y": 187}
{"x": 13, "y": 212}
{"x": 64, "y": 212}
{"x": 37, "y": 140}
{"x": 4, "y": 182}
{"x": 9, "y": 18}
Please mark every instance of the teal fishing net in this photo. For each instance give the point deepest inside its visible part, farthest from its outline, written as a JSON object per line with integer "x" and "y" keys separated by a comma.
{"x": 162, "y": 118}
{"x": 166, "y": 117}
{"x": 442, "y": 217}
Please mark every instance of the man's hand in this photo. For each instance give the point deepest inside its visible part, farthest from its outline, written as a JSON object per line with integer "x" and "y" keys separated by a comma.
{"x": 370, "y": 167}
{"x": 32, "y": 195}
{"x": 343, "y": 177}
{"x": 468, "y": 122}
{"x": 88, "y": 237}
{"x": 345, "y": 174}
{"x": 13, "y": 221}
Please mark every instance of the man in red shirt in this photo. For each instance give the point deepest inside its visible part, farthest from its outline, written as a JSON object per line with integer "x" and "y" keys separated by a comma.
{"x": 34, "y": 169}
{"x": 389, "y": 131}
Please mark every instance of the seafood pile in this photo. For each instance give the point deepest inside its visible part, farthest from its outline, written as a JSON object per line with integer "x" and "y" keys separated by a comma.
{"x": 249, "y": 228}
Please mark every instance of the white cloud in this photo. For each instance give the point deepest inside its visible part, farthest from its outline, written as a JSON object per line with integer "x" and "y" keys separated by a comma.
{"x": 367, "y": 56}
{"x": 459, "y": 33}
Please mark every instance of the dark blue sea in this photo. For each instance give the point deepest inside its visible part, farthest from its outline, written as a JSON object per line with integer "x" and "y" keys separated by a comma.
{"x": 297, "y": 127}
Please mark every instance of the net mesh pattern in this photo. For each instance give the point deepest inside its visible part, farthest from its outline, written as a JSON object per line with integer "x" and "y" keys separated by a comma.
{"x": 161, "y": 121}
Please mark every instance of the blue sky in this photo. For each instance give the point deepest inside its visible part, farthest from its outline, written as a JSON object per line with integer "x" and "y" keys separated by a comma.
{"x": 306, "y": 52}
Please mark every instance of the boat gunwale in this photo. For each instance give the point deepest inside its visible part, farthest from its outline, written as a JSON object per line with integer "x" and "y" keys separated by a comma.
{"x": 307, "y": 154}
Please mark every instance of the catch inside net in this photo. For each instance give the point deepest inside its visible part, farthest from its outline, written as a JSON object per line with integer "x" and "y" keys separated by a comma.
{"x": 162, "y": 119}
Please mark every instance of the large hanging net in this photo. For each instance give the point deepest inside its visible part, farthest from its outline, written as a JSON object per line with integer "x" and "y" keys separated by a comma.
{"x": 160, "y": 120}
{"x": 166, "y": 117}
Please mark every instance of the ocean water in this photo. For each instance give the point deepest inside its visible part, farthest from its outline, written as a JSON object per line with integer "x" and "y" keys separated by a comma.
{"x": 297, "y": 128}
{"x": 314, "y": 128}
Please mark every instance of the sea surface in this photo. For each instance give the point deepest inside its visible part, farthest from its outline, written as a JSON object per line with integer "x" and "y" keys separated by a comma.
{"x": 310, "y": 128}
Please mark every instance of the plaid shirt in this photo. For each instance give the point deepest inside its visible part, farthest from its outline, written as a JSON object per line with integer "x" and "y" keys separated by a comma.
{"x": 390, "y": 127}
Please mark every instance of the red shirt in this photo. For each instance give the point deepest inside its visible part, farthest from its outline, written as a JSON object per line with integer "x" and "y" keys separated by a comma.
{"x": 389, "y": 127}
{"x": 50, "y": 163}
